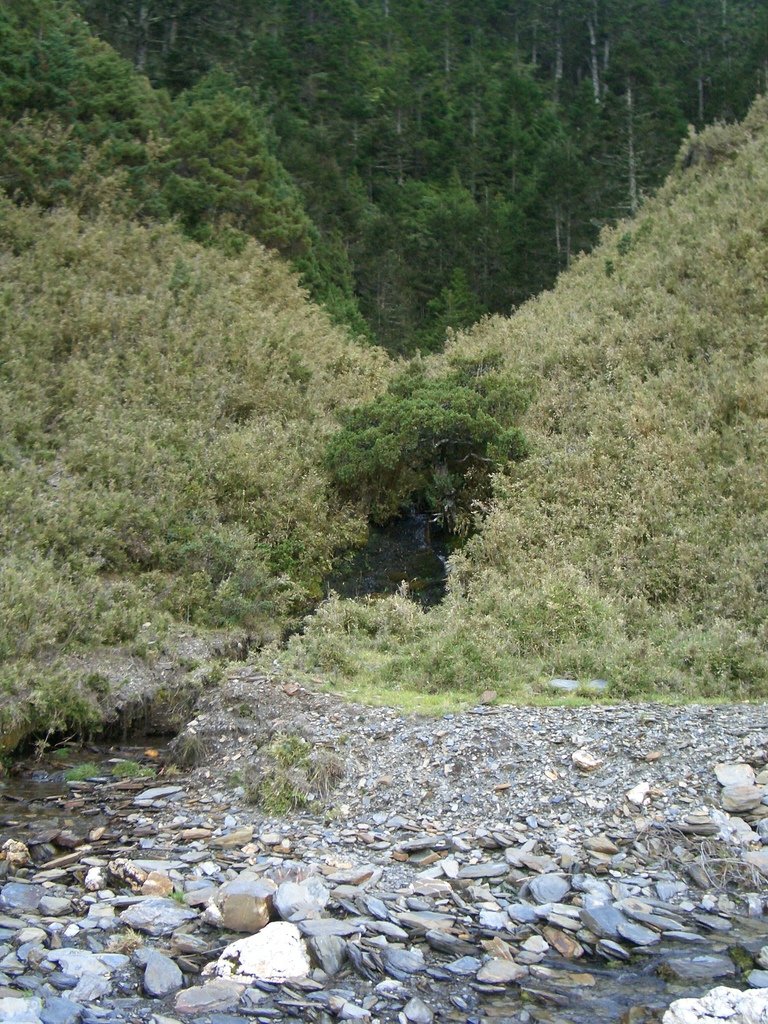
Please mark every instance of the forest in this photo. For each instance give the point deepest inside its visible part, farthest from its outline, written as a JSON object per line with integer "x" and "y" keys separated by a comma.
{"x": 273, "y": 272}
{"x": 420, "y": 163}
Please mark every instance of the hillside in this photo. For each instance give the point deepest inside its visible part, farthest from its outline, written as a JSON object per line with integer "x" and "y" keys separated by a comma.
{"x": 163, "y": 414}
{"x": 630, "y": 544}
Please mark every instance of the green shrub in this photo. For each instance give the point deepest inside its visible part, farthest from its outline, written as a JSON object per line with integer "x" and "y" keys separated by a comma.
{"x": 430, "y": 441}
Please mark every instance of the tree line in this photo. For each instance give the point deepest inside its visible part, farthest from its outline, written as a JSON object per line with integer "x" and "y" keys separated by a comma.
{"x": 421, "y": 162}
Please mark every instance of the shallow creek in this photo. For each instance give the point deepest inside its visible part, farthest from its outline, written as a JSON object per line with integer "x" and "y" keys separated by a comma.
{"x": 409, "y": 550}
{"x": 582, "y": 991}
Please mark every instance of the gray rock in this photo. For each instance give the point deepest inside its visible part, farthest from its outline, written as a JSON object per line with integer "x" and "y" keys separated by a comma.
{"x": 91, "y": 987}
{"x": 148, "y": 796}
{"x": 566, "y": 685}
{"x": 735, "y": 774}
{"x": 757, "y": 979}
{"x": 161, "y": 976}
{"x": 602, "y": 918}
{"x": 417, "y": 1011}
{"x": 54, "y": 906}
{"x": 549, "y": 888}
{"x": 465, "y": 966}
{"x": 21, "y": 896}
{"x": 699, "y": 968}
{"x": 667, "y": 890}
{"x": 611, "y": 950}
{"x": 500, "y": 972}
{"x": 637, "y": 933}
{"x": 213, "y": 995}
{"x": 329, "y": 926}
{"x": 401, "y": 963}
{"x": 741, "y": 799}
{"x": 488, "y": 869}
{"x": 298, "y": 900}
{"x": 80, "y": 963}
{"x": 494, "y": 919}
{"x": 594, "y": 886}
{"x": 61, "y": 1011}
{"x": 522, "y": 913}
{"x": 329, "y": 951}
{"x": 157, "y": 916}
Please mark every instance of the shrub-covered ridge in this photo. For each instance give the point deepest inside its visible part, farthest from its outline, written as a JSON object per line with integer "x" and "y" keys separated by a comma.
{"x": 163, "y": 415}
{"x": 630, "y": 544}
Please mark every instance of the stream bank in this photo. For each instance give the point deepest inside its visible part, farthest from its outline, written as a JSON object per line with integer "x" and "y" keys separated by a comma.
{"x": 473, "y": 871}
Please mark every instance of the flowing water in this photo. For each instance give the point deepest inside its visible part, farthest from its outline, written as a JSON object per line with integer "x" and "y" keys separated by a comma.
{"x": 35, "y": 801}
{"x": 409, "y": 550}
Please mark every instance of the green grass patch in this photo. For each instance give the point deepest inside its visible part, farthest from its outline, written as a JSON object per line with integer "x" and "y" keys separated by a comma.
{"x": 81, "y": 772}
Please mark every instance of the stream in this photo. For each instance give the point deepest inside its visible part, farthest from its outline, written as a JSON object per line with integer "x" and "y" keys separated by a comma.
{"x": 409, "y": 550}
{"x": 38, "y": 802}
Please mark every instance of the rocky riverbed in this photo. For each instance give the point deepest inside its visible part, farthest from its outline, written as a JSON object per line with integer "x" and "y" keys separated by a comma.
{"x": 509, "y": 864}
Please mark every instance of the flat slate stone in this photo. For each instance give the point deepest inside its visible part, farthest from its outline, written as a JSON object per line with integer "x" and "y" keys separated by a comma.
{"x": 489, "y": 869}
{"x": 637, "y": 933}
{"x": 500, "y": 972}
{"x": 213, "y": 995}
{"x": 402, "y": 962}
{"x": 329, "y": 951}
{"x": 603, "y": 919}
{"x": 522, "y": 913}
{"x": 329, "y": 926}
{"x": 699, "y": 968}
{"x": 162, "y": 976}
{"x": 158, "y": 793}
{"x": 157, "y": 916}
{"x": 465, "y": 966}
{"x": 58, "y": 1010}
{"x": 21, "y": 896}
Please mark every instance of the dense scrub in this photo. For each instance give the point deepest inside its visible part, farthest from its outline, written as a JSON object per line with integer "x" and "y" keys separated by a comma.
{"x": 630, "y": 544}
{"x": 430, "y": 441}
{"x": 163, "y": 415}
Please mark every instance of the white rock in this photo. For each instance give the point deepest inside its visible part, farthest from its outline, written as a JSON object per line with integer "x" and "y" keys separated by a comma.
{"x": 638, "y": 793}
{"x": 277, "y": 953}
{"x": 721, "y": 1004}
{"x": 20, "y": 1011}
{"x": 95, "y": 879}
{"x": 585, "y": 760}
{"x": 735, "y": 774}
{"x": 78, "y": 963}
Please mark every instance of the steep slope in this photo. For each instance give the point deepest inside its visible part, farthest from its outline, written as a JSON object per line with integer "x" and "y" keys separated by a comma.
{"x": 630, "y": 545}
{"x": 163, "y": 413}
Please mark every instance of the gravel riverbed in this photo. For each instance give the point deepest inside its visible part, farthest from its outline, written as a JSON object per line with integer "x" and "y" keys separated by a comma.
{"x": 504, "y": 863}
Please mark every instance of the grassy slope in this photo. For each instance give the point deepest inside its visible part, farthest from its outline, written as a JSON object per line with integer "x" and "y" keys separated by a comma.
{"x": 631, "y": 545}
{"x": 163, "y": 410}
